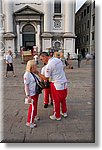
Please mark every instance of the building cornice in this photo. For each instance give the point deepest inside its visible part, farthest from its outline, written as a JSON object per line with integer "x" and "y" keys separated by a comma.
{"x": 69, "y": 35}
{"x": 46, "y": 34}
{"x": 9, "y": 35}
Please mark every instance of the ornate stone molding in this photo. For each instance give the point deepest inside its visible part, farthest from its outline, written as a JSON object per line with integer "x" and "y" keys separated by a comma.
{"x": 9, "y": 35}
{"x": 69, "y": 35}
{"x": 46, "y": 34}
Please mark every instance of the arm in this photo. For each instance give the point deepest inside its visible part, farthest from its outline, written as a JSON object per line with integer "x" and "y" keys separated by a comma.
{"x": 41, "y": 76}
{"x": 47, "y": 73}
{"x": 27, "y": 92}
{"x": 26, "y": 86}
{"x": 26, "y": 89}
{"x": 7, "y": 62}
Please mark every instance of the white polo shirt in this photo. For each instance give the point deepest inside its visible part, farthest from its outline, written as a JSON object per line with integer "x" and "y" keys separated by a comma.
{"x": 29, "y": 79}
{"x": 43, "y": 70}
{"x": 9, "y": 58}
{"x": 54, "y": 70}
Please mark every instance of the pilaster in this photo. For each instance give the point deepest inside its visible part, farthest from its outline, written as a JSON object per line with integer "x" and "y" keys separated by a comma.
{"x": 38, "y": 38}
{"x": 8, "y": 10}
{"x": 69, "y": 15}
{"x": 47, "y": 16}
{"x": 18, "y": 37}
{"x": 1, "y": 30}
{"x": 9, "y": 37}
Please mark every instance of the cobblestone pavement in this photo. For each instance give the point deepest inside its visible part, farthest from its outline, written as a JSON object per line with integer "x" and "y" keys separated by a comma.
{"x": 78, "y": 127}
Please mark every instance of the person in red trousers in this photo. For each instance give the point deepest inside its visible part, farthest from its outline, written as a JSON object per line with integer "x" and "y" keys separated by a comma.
{"x": 54, "y": 70}
{"x": 30, "y": 92}
{"x": 47, "y": 91}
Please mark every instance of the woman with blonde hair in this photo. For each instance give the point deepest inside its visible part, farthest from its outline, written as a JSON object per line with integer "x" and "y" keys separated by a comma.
{"x": 30, "y": 84}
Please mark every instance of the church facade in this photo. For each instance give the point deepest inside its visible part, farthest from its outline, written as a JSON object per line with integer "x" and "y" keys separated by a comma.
{"x": 39, "y": 24}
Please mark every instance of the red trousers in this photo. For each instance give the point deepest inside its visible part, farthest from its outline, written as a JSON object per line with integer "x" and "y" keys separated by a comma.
{"x": 47, "y": 93}
{"x": 59, "y": 98}
{"x": 32, "y": 111}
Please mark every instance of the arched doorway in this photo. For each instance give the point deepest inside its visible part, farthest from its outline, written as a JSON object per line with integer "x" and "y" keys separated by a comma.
{"x": 28, "y": 36}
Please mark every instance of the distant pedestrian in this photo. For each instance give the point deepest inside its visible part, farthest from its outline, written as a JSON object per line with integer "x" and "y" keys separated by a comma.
{"x": 36, "y": 58}
{"x": 68, "y": 57}
{"x": 30, "y": 85}
{"x": 69, "y": 61}
{"x": 88, "y": 57}
{"x": 9, "y": 62}
{"x": 79, "y": 60}
{"x": 94, "y": 56}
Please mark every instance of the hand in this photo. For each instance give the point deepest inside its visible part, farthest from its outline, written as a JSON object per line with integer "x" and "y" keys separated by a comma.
{"x": 29, "y": 99}
{"x": 37, "y": 72}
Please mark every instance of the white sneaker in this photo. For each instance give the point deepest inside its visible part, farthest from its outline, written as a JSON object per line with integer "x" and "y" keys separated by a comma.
{"x": 64, "y": 114}
{"x": 53, "y": 117}
{"x": 31, "y": 125}
{"x": 37, "y": 118}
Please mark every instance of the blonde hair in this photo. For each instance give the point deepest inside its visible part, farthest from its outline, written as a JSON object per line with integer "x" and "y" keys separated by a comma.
{"x": 57, "y": 54}
{"x": 30, "y": 63}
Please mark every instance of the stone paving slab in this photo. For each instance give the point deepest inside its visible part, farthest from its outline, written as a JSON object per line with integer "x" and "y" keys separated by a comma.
{"x": 78, "y": 127}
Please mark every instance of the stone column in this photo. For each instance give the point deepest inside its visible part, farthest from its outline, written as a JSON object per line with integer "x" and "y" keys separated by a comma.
{"x": 69, "y": 15}
{"x": 18, "y": 37}
{"x": 8, "y": 10}
{"x": 38, "y": 38}
{"x": 47, "y": 36}
{"x": 9, "y": 37}
{"x": 1, "y": 29}
{"x": 47, "y": 16}
{"x": 69, "y": 28}
{"x": 1, "y": 16}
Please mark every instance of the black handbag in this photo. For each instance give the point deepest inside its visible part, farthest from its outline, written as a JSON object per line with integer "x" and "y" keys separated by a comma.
{"x": 46, "y": 84}
{"x": 39, "y": 86}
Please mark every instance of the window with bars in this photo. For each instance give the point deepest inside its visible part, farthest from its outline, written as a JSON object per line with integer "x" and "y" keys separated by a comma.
{"x": 57, "y": 6}
{"x": 93, "y": 22}
{"x": 93, "y": 36}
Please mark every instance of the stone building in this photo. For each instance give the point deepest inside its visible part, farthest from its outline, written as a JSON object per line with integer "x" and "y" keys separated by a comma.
{"x": 41, "y": 24}
{"x": 85, "y": 28}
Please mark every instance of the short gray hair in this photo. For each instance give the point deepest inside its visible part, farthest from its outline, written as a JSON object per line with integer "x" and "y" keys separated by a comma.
{"x": 44, "y": 54}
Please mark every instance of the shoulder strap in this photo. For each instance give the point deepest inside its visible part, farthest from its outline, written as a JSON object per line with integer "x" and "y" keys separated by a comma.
{"x": 35, "y": 77}
{"x": 36, "y": 80}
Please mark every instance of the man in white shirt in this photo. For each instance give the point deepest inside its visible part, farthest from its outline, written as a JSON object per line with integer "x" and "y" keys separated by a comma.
{"x": 54, "y": 70}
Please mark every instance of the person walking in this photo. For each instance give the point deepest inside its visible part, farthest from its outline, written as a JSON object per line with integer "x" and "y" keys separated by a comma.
{"x": 79, "y": 60}
{"x": 54, "y": 70}
{"x": 88, "y": 57}
{"x": 9, "y": 62}
{"x": 30, "y": 85}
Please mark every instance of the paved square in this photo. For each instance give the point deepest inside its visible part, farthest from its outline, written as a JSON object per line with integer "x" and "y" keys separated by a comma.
{"x": 78, "y": 127}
